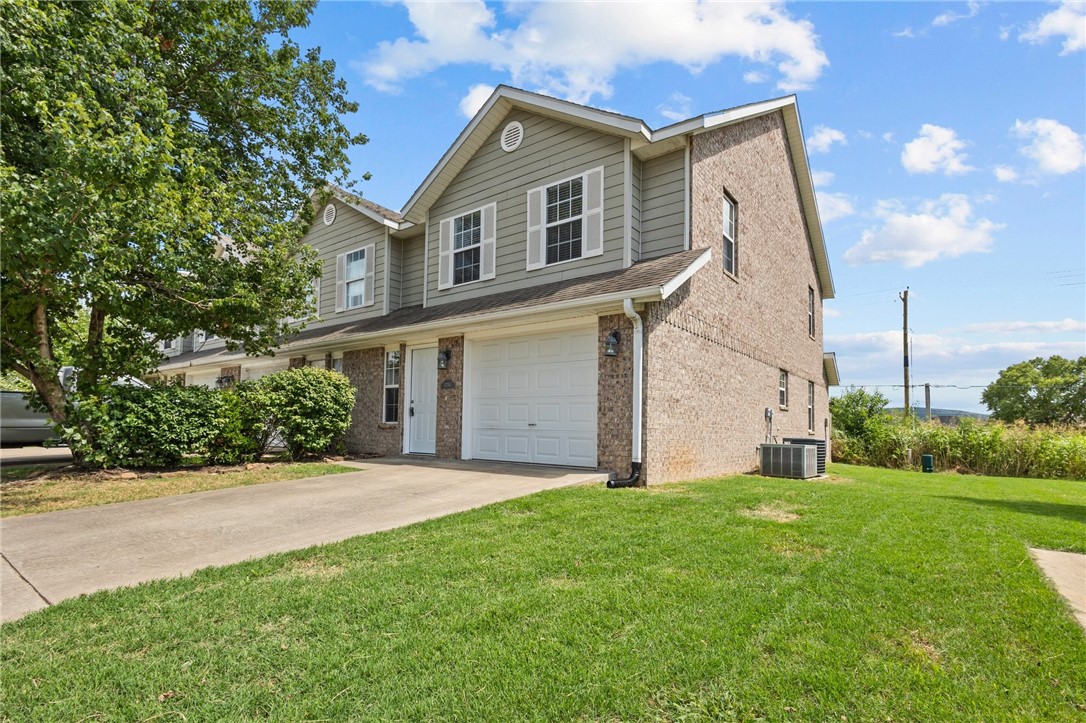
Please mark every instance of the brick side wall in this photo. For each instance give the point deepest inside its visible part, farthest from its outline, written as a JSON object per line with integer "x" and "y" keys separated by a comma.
{"x": 715, "y": 348}
{"x": 450, "y": 399}
{"x": 614, "y": 397}
{"x": 368, "y": 434}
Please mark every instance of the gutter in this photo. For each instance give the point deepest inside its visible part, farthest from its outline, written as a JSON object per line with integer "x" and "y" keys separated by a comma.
{"x": 637, "y": 394}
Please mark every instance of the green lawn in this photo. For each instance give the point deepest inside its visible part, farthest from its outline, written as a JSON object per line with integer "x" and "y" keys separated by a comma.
{"x": 877, "y": 595}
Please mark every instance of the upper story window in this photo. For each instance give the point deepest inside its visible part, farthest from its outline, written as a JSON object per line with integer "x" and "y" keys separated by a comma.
{"x": 354, "y": 278}
{"x": 466, "y": 247}
{"x": 731, "y": 226}
{"x": 467, "y": 242}
{"x": 565, "y": 220}
{"x": 782, "y": 390}
{"x": 810, "y": 311}
{"x": 565, "y": 205}
{"x": 167, "y": 344}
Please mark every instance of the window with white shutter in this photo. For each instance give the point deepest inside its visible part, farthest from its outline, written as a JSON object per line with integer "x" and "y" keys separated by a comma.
{"x": 467, "y": 247}
{"x": 355, "y": 278}
{"x": 565, "y": 220}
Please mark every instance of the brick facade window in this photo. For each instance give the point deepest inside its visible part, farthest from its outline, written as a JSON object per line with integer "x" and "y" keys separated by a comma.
{"x": 782, "y": 390}
{"x": 731, "y": 225}
{"x": 391, "y": 409}
{"x": 810, "y": 407}
{"x": 810, "y": 311}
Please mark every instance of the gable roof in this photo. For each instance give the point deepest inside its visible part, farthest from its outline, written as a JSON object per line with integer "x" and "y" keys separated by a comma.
{"x": 645, "y": 143}
{"x": 377, "y": 212}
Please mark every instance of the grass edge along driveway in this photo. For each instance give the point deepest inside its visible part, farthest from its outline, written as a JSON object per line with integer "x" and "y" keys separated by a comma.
{"x": 875, "y": 595}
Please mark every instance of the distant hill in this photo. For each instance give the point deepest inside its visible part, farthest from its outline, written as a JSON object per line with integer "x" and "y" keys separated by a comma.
{"x": 940, "y": 413}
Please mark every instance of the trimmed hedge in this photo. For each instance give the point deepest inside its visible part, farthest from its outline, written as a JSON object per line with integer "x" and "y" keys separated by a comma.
{"x": 161, "y": 425}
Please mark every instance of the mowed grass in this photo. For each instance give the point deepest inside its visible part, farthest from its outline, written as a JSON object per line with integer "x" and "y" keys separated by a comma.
{"x": 21, "y": 493}
{"x": 875, "y": 595}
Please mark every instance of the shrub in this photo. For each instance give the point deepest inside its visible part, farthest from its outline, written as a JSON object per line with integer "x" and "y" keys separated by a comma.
{"x": 991, "y": 448}
{"x": 243, "y": 428}
{"x": 143, "y": 427}
{"x": 308, "y": 407}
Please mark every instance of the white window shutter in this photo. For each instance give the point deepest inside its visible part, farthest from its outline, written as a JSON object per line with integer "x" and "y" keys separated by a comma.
{"x": 593, "y": 213}
{"x": 488, "y": 242}
{"x": 536, "y": 242}
{"x": 445, "y": 254}
{"x": 340, "y": 285}
{"x": 371, "y": 267}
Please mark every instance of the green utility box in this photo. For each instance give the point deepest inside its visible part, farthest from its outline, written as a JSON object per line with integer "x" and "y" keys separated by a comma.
{"x": 927, "y": 462}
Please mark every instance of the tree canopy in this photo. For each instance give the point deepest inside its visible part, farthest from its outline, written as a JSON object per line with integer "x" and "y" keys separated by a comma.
{"x": 852, "y": 409}
{"x": 157, "y": 165}
{"x": 1040, "y": 391}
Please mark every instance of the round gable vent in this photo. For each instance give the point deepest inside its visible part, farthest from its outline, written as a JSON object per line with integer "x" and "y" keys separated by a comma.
{"x": 512, "y": 136}
{"x": 329, "y": 214}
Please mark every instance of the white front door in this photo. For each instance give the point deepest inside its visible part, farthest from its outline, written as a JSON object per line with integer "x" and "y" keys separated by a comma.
{"x": 422, "y": 402}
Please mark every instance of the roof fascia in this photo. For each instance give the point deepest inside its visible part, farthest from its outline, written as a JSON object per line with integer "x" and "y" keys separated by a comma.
{"x": 343, "y": 197}
{"x": 672, "y": 286}
{"x": 829, "y": 366}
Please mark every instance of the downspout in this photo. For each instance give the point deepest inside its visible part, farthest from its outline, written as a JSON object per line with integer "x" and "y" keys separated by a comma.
{"x": 637, "y": 394}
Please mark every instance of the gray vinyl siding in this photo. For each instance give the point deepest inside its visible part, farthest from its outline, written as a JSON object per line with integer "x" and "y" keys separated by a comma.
{"x": 351, "y": 230}
{"x": 395, "y": 275}
{"x": 635, "y": 208}
{"x": 411, "y": 284}
{"x": 551, "y": 151}
{"x": 663, "y": 182}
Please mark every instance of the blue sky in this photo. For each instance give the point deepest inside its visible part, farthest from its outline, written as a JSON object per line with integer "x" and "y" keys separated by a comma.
{"x": 946, "y": 141}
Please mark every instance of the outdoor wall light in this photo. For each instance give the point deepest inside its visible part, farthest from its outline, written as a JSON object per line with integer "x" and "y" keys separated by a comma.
{"x": 443, "y": 358}
{"x": 610, "y": 344}
{"x": 224, "y": 382}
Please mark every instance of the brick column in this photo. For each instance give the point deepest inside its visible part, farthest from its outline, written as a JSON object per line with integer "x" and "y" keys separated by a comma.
{"x": 450, "y": 399}
{"x": 234, "y": 371}
{"x": 614, "y": 397}
{"x": 296, "y": 362}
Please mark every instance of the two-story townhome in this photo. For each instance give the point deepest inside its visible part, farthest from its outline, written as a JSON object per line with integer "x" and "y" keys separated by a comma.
{"x": 570, "y": 287}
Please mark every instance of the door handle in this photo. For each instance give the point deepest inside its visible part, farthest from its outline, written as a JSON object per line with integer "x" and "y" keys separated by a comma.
{"x": 411, "y": 411}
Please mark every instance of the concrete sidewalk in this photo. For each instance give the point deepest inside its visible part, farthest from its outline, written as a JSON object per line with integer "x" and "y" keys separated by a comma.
{"x": 1067, "y": 572}
{"x": 57, "y": 555}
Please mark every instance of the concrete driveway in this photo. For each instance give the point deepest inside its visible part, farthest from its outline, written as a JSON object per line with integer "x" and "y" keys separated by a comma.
{"x": 57, "y": 555}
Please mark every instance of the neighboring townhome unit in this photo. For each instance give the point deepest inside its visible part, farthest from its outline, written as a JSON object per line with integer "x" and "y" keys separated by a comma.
{"x": 570, "y": 287}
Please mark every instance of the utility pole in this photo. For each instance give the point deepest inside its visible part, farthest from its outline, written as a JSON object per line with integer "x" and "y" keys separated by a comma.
{"x": 904, "y": 296}
{"x": 927, "y": 401}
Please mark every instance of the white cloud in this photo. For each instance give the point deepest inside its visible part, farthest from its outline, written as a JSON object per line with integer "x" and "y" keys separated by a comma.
{"x": 832, "y": 206}
{"x": 935, "y": 149}
{"x": 940, "y": 228}
{"x": 951, "y": 17}
{"x": 823, "y": 138}
{"x": 755, "y": 76}
{"x": 906, "y": 33}
{"x": 573, "y": 50}
{"x": 1005, "y": 174}
{"x": 822, "y": 178}
{"x": 888, "y": 137}
{"x": 1068, "y": 21}
{"x": 474, "y": 100}
{"x": 1028, "y": 327}
{"x": 829, "y": 311}
{"x": 1055, "y": 148}
{"x": 676, "y": 108}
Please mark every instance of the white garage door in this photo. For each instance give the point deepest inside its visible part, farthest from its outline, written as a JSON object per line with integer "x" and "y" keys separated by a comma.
{"x": 534, "y": 399}
{"x": 256, "y": 372}
{"x": 201, "y": 379}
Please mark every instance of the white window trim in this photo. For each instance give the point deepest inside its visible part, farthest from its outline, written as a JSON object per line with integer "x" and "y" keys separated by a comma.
{"x": 810, "y": 408}
{"x": 729, "y": 202}
{"x": 592, "y": 183}
{"x": 369, "y": 262}
{"x": 811, "y": 312}
{"x": 386, "y": 386}
{"x": 782, "y": 389}
{"x": 488, "y": 232}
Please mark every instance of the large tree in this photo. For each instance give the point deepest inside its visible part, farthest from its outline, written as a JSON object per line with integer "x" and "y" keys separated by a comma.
{"x": 1040, "y": 391}
{"x": 157, "y": 163}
